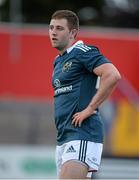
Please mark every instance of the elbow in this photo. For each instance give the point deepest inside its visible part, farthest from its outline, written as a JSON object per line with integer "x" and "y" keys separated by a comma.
{"x": 116, "y": 76}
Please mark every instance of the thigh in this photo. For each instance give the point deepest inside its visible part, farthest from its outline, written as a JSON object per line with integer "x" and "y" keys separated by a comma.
{"x": 73, "y": 170}
{"x": 86, "y": 152}
{"x": 76, "y": 158}
{"x": 68, "y": 161}
{"x": 73, "y": 160}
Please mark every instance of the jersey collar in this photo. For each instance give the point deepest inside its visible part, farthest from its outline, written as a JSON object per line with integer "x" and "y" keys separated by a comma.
{"x": 70, "y": 48}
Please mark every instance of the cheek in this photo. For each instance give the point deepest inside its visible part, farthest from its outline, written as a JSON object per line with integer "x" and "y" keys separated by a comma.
{"x": 66, "y": 36}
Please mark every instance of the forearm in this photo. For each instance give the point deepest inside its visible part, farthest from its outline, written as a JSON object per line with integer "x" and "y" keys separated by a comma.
{"x": 107, "y": 85}
{"x": 109, "y": 77}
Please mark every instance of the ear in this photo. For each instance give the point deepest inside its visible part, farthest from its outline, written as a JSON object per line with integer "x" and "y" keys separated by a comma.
{"x": 74, "y": 33}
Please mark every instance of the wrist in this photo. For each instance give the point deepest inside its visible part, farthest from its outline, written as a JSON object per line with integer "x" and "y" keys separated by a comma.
{"x": 91, "y": 110}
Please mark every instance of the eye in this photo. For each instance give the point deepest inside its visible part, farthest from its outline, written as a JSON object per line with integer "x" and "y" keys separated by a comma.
{"x": 51, "y": 27}
{"x": 60, "y": 28}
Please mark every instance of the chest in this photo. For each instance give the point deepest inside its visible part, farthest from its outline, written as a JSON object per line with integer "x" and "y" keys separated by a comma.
{"x": 68, "y": 70}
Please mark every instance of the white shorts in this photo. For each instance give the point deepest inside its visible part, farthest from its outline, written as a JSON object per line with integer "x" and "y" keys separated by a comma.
{"x": 86, "y": 152}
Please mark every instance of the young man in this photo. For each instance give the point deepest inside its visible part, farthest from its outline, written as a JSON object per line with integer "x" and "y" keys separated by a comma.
{"x": 77, "y": 69}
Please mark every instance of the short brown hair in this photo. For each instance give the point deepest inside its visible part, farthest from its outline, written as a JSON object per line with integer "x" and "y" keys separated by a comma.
{"x": 70, "y": 16}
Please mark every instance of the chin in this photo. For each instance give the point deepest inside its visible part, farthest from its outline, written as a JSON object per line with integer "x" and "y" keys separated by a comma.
{"x": 55, "y": 46}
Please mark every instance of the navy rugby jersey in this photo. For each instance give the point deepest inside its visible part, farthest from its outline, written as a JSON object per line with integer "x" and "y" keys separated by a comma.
{"x": 74, "y": 86}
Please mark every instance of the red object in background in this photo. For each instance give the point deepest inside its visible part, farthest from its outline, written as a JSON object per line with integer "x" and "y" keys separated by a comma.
{"x": 27, "y": 73}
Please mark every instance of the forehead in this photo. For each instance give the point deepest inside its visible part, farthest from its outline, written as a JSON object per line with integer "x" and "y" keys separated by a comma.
{"x": 59, "y": 22}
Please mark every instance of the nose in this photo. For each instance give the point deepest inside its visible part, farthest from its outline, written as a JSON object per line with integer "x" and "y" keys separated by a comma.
{"x": 53, "y": 31}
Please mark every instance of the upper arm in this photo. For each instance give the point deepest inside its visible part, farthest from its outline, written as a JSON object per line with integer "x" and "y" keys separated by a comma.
{"x": 107, "y": 69}
{"x": 91, "y": 59}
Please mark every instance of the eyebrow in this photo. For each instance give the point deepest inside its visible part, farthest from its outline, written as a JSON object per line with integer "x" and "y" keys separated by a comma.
{"x": 57, "y": 26}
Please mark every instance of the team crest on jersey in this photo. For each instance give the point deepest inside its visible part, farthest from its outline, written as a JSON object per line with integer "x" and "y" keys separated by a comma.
{"x": 66, "y": 66}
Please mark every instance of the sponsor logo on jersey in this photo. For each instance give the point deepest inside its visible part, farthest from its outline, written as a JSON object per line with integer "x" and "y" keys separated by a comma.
{"x": 66, "y": 66}
{"x": 57, "y": 83}
{"x": 71, "y": 149}
{"x": 63, "y": 90}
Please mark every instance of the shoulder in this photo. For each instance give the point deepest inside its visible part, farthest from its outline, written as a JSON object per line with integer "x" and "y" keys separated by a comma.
{"x": 81, "y": 49}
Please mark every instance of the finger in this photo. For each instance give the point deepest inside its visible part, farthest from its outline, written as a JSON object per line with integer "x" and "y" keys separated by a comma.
{"x": 73, "y": 121}
{"x": 76, "y": 123}
{"x": 76, "y": 114}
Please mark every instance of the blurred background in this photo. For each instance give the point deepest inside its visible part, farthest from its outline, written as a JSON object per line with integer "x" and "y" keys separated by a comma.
{"x": 27, "y": 130}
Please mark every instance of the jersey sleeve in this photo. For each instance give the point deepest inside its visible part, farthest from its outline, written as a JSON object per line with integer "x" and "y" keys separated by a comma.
{"x": 92, "y": 59}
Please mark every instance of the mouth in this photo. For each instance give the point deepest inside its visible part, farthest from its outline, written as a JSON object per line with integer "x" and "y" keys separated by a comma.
{"x": 54, "y": 39}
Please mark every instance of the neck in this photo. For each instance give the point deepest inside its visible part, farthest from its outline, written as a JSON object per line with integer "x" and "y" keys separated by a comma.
{"x": 61, "y": 51}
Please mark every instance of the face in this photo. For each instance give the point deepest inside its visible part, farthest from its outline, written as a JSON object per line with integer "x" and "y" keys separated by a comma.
{"x": 60, "y": 35}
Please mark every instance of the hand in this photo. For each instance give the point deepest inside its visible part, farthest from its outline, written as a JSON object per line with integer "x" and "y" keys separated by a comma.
{"x": 79, "y": 117}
